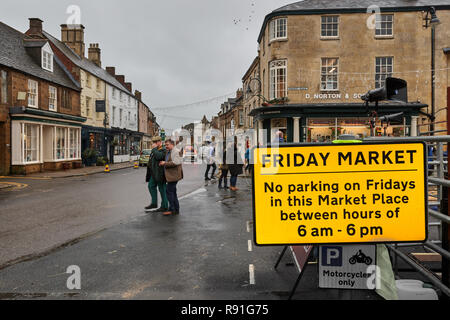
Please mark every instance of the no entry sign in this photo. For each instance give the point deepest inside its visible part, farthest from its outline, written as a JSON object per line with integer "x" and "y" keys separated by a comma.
{"x": 351, "y": 193}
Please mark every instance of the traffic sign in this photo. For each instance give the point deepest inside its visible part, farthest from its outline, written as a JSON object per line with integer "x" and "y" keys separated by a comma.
{"x": 348, "y": 193}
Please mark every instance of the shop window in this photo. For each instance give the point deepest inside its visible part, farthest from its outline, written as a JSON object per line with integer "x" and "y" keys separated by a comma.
{"x": 74, "y": 150}
{"x": 60, "y": 143}
{"x": 122, "y": 145}
{"x": 30, "y": 143}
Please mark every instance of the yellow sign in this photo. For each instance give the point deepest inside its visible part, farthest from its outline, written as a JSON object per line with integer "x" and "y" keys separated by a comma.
{"x": 351, "y": 193}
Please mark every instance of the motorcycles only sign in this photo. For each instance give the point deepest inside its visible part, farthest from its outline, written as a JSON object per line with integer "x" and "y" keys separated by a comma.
{"x": 347, "y": 267}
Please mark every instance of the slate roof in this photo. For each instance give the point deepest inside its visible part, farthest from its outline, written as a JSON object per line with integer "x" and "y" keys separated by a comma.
{"x": 352, "y": 6}
{"x": 86, "y": 64}
{"x": 13, "y": 54}
{"x": 361, "y": 4}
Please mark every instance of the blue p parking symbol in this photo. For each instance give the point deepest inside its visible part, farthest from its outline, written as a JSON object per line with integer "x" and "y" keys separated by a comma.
{"x": 331, "y": 256}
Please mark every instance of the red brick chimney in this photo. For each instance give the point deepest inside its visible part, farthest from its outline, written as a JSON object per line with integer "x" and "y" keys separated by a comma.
{"x": 35, "y": 29}
{"x": 121, "y": 79}
{"x": 129, "y": 86}
{"x": 111, "y": 71}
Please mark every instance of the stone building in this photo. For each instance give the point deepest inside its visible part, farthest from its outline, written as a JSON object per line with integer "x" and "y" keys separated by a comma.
{"x": 40, "y": 112}
{"x": 251, "y": 85}
{"x": 317, "y": 58}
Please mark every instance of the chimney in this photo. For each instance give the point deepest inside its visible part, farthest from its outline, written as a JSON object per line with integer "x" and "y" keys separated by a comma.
{"x": 239, "y": 93}
{"x": 138, "y": 95}
{"x": 129, "y": 86}
{"x": 94, "y": 54}
{"x": 121, "y": 79}
{"x": 73, "y": 36}
{"x": 111, "y": 71}
{"x": 35, "y": 28}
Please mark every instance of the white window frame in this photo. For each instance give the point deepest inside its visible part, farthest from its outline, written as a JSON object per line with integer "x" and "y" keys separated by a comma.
{"x": 329, "y": 26}
{"x": 52, "y": 98}
{"x": 278, "y": 29}
{"x": 26, "y": 148}
{"x": 328, "y": 72}
{"x": 33, "y": 94}
{"x": 277, "y": 68}
{"x": 380, "y": 27}
{"x": 47, "y": 58}
{"x": 380, "y": 74}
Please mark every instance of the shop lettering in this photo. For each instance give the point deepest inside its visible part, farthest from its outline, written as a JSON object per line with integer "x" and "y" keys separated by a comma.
{"x": 375, "y": 157}
{"x": 343, "y": 158}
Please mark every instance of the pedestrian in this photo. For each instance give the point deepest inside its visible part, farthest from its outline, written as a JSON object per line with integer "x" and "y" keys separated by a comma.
{"x": 155, "y": 176}
{"x": 210, "y": 151}
{"x": 173, "y": 171}
{"x": 235, "y": 166}
{"x": 279, "y": 137}
{"x": 224, "y": 170}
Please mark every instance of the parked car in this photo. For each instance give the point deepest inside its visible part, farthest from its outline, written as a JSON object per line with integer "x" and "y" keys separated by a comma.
{"x": 189, "y": 154}
{"x": 145, "y": 156}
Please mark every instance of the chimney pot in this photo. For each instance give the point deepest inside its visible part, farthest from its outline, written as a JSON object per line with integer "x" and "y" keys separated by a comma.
{"x": 111, "y": 71}
{"x": 35, "y": 27}
{"x": 94, "y": 54}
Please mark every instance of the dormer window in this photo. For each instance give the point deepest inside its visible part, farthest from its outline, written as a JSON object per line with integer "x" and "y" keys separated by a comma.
{"x": 47, "y": 58}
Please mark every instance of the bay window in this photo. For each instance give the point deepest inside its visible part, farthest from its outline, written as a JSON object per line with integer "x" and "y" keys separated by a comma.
{"x": 60, "y": 143}
{"x": 278, "y": 29}
{"x": 30, "y": 142}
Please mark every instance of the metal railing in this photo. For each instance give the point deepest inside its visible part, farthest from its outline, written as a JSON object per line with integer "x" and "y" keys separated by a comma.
{"x": 437, "y": 174}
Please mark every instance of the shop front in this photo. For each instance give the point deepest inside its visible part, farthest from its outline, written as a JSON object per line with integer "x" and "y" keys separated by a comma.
{"x": 41, "y": 143}
{"x": 323, "y": 123}
{"x": 126, "y": 146}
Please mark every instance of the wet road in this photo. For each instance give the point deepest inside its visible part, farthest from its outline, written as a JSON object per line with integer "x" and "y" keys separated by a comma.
{"x": 38, "y": 215}
{"x": 205, "y": 253}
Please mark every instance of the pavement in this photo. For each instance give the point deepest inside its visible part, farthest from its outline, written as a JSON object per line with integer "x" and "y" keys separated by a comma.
{"x": 205, "y": 253}
{"x": 81, "y": 171}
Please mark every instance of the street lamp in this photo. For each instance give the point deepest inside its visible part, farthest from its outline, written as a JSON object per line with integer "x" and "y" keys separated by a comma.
{"x": 256, "y": 94}
{"x": 431, "y": 20}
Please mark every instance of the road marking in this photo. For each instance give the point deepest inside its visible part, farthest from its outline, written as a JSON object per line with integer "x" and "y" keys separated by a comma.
{"x": 26, "y": 178}
{"x": 248, "y": 226}
{"x": 13, "y": 186}
{"x": 201, "y": 190}
{"x": 250, "y": 248}
{"x": 251, "y": 270}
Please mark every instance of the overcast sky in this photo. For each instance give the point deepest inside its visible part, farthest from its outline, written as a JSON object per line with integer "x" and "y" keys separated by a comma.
{"x": 176, "y": 52}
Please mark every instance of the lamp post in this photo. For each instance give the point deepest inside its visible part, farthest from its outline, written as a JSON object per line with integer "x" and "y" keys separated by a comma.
{"x": 431, "y": 20}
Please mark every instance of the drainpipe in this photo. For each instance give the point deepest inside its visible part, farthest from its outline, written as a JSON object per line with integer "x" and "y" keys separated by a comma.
{"x": 433, "y": 75}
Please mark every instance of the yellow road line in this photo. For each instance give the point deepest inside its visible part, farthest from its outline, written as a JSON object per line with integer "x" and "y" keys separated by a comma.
{"x": 15, "y": 186}
{"x": 26, "y": 178}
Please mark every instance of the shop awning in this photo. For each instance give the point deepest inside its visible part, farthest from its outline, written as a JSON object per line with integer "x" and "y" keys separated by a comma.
{"x": 335, "y": 110}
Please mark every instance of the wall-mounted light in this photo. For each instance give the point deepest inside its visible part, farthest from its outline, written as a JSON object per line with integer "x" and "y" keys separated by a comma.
{"x": 430, "y": 19}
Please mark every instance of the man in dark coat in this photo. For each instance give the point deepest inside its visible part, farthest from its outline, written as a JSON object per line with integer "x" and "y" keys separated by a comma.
{"x": 155, "y": 176}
